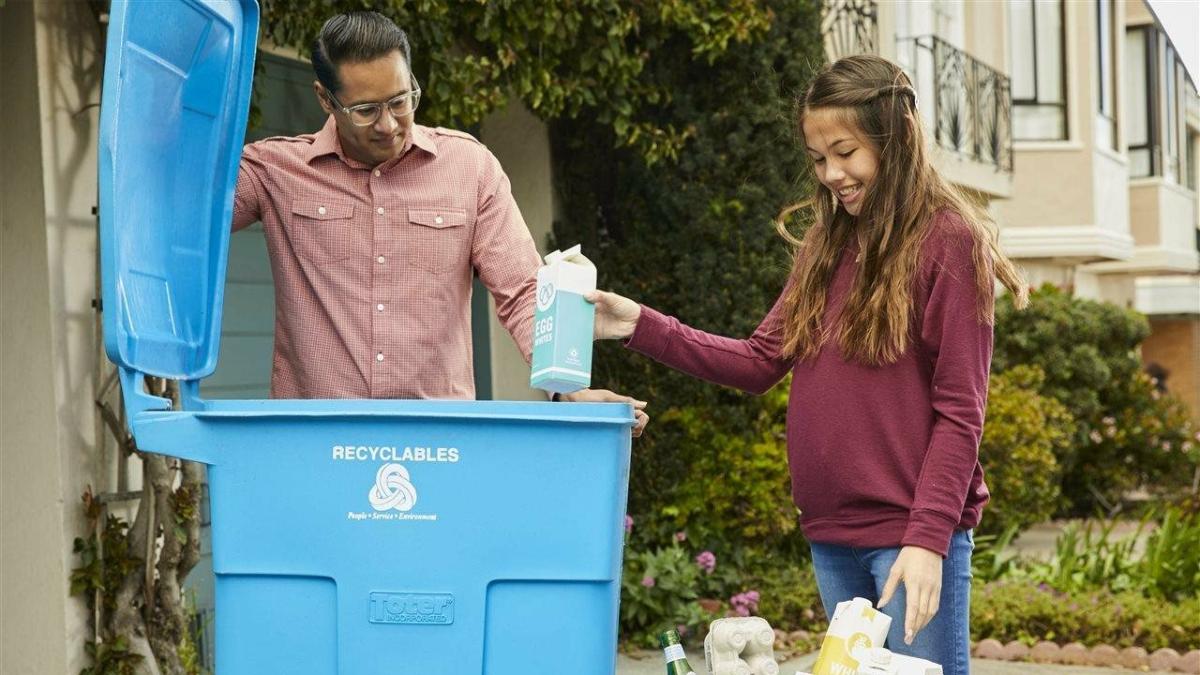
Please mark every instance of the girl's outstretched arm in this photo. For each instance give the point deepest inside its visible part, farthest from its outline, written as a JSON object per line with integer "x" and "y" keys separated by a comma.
{"x": 752, "y": 365}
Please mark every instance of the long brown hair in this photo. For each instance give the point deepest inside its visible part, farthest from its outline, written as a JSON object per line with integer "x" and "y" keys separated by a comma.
{"x": 875, "y": 97}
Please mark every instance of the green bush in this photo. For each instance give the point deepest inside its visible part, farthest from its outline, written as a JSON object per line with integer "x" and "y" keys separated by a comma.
{"x": 1126, "y": 435}
{"x": 1027, "y": 611}
{"x": 1090, "y": 557}
{"x": 1022, "y": 437}
{"x": 736, "y": 488}
{"x": 693, "y": 238}
{"x": 1170, "y": 566}
{"x": 660, "y": 590}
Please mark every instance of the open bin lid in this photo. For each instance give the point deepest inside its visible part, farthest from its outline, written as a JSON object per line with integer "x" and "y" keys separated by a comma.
{"x": 176, "y": 96}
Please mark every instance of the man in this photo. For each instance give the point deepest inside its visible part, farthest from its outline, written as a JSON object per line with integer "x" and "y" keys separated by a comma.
{"x": 374, "y": 225}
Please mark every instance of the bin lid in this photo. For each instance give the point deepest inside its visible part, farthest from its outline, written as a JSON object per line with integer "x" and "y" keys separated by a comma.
{"x": 173, "y": 115}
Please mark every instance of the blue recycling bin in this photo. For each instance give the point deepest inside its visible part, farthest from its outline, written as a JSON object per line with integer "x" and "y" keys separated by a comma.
{"x": 349, "y": 536}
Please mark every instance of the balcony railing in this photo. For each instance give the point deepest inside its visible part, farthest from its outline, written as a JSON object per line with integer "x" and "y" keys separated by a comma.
{"x": 849, "y": 27}
{"x": 968, "y": 102}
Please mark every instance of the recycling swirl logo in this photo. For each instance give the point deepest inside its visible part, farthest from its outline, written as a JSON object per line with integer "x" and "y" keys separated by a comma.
{"x": 545, "y": 296}
{"x": 393, "y": 489}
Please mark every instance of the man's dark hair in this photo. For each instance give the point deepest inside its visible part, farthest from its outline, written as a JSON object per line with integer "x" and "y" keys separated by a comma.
{"x": 355, "y": 37}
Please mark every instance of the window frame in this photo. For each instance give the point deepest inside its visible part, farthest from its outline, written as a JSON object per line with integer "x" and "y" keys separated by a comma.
{"x": 1036, "y": 101}
{"x": 1150, "y": 39}
{"x": 1106, "y": 89}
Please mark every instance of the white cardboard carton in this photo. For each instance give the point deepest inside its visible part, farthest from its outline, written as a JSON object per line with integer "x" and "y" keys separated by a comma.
{"x": 563, "y": 323}
{"x": 856, "y": 625}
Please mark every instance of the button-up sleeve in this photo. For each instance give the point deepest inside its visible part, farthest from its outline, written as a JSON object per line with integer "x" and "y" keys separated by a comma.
{"x": 247, "y": 197}
{"x": 504, "y": 254}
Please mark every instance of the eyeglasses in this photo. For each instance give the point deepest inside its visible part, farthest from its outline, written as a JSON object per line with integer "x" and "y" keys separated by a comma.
{"x": 366, "y": 114}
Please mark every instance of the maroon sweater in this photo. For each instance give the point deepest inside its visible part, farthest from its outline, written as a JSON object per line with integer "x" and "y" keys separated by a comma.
{"x": 879, "y": 456}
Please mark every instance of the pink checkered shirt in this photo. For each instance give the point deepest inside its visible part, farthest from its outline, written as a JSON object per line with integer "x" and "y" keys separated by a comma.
{"x": 373, "y": 265}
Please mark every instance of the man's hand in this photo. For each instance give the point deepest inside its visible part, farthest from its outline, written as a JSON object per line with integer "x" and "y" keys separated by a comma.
{"x": 640, "y": 417}
{"x": 616, "y": 315}
{"x": 921, "y": 571}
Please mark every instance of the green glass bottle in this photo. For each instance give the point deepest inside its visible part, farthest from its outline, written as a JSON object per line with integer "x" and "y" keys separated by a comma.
{"x": 677, "y": 663}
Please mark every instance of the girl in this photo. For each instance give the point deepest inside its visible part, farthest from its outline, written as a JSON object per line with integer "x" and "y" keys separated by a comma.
{"x": 885, "y": 323}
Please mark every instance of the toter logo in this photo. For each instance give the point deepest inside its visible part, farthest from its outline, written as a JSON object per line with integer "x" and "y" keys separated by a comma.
{"x": 393, "y": 489}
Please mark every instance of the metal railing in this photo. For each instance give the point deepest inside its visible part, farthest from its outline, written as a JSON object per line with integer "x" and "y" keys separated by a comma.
{"x": 968, "y": 103}
{"x": 849, "y": 27}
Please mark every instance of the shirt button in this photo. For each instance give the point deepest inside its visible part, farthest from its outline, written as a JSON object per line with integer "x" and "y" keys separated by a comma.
{"x": 379, "y": 356}
{"x": 381, "y": 260}
{"x": 376, "y": 173}
{"x": 379, "y": 307}
{"x": 379, "y": 210}
{"x": 321, "y": 210}
{"x": 438, "y": 220}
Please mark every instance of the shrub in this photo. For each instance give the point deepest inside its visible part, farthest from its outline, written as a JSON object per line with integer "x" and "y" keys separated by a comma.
{"x": 659, "y": 590}
{"x": 1088, "y": 558}
{"x": 1170, "y": 565}
{"x": 693, "y": 238}
{"x": 1024, "y": 433}
{"x": 1026, "y": 611}
{"x": 736, "y": 488}
{"x": 1126, "y": 435}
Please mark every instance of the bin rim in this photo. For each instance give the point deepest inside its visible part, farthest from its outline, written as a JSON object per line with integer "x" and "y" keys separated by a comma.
{"x": 525, "y": 411}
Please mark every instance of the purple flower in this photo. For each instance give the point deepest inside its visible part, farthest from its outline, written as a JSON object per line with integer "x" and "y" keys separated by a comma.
{"x": 681, "y": 629}
{"x": 745, "y": 604}
{"x": 681, "y": 537}
{"x": 648, "y": 581}
{"x": 706, "y": 561}
{"x": 628, "y": 524}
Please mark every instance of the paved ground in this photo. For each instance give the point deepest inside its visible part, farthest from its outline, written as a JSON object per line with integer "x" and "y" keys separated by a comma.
{"x": 651, "y": 663}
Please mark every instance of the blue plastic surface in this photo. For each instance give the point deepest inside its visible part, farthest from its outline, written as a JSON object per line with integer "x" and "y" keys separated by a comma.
{"x": 172, "y": 122}
{"x": 349, "y": 537}
{"x": 502, "y": 558}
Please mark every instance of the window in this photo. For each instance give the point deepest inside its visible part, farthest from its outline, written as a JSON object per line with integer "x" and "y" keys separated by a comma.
{"x": 1106, "y": 115}
{"x": 1038, "y": 82}
{"x": 1141, "y": 129}
{"x": 1173, "y": 119}
{"x": 1158, "y": 92}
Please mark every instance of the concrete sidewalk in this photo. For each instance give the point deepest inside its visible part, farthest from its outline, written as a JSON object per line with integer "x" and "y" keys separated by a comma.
{"x": 651, "y": 663}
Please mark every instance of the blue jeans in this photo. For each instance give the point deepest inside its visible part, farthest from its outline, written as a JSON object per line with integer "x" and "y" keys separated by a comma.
{"x": 846, "y": 572}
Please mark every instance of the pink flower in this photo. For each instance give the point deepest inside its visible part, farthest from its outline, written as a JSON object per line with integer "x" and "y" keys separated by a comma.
{"x": 628, "y": 524}
{"x": 648, "y": 581}
{"x": 707, "y": 561}
{"x": 681, "y": 629}
{"x": 681, "y": 537}
{"x": 745, "y": 604}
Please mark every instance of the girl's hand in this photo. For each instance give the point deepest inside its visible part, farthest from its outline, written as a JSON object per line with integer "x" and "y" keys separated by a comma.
{"x": 921, "y": 571}
{"x": 616, "y": 315}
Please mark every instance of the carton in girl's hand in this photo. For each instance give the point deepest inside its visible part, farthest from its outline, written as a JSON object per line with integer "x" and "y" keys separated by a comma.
{"x": 563, "y": 323}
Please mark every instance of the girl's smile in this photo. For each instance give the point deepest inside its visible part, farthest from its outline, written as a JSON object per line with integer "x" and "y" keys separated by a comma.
{"x": 843, "y": 159}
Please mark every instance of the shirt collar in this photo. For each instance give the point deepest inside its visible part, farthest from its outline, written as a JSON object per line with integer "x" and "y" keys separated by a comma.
{"x": 326, "y": 142}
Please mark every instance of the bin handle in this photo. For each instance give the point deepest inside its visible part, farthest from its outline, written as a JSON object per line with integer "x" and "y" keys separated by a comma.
{"x": 137, "y": 401}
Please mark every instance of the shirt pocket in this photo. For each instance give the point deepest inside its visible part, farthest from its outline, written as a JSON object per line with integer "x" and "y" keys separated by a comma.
{"x": 435, "y": 238}
{"x": 322, "y": 231}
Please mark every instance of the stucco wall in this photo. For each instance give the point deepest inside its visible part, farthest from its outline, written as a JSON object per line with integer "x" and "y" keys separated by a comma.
{"x": 522, "y": 144}
{"x": 52, "y": 76}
